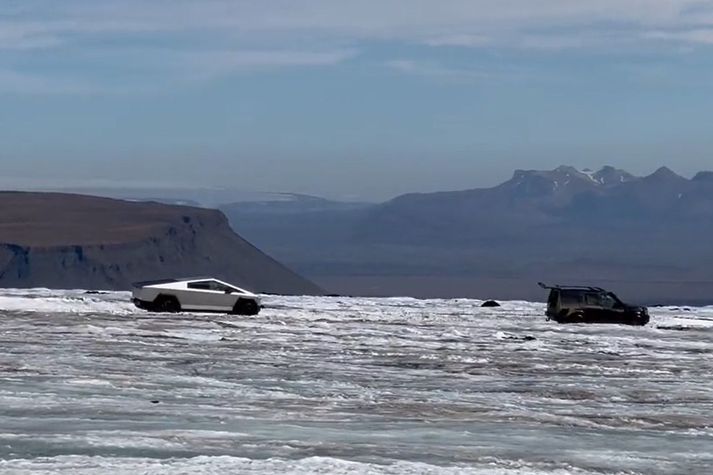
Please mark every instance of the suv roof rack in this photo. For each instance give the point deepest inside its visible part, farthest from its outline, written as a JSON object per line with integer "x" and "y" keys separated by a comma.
{"x": 571, "y": 287}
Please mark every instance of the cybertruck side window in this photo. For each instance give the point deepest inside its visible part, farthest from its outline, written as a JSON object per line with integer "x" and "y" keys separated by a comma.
{"x": 210, "y": 285}
{"x": 221, "y": 288}
{"x": 203, "y": 285}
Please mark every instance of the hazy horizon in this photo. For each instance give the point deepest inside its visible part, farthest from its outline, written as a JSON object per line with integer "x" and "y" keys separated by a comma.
{"x": 213, "y": 194}
{"x": 349, "y": 100}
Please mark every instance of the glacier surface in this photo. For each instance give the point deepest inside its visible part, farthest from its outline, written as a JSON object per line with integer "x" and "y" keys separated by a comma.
{"x": 89, "y": 384}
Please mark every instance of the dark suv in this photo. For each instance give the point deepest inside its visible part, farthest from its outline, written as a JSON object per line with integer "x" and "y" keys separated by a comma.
{"x": 571, "y": 304}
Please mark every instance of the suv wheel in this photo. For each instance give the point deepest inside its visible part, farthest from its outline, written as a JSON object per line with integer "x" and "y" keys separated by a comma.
{"x": 576, "y": 317}
{"x": 640, "y": 320}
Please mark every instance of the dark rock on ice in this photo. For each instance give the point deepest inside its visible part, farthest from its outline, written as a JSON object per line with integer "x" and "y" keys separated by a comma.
{"x": 679, "y": 328}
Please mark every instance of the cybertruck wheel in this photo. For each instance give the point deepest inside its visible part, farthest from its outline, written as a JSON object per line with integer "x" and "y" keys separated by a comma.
{"x": 167, "y": 304}
{"x": 246, "y": 307}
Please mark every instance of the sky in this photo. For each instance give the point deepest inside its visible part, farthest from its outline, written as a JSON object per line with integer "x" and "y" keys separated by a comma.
{"x": 352, "y": 99}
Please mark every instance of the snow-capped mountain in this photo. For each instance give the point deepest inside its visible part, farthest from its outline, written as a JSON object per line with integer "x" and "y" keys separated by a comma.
{"x": 565, "y": 224}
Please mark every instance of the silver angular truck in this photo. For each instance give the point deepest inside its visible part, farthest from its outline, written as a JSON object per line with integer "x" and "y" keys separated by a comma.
{"x": 194, "y": 295}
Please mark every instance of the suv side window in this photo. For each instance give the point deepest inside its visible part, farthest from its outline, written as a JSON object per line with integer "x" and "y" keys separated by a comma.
{"x": 608, "y": 301}
{"x": 570, "y": 299}
{"x": 594, "y": 300}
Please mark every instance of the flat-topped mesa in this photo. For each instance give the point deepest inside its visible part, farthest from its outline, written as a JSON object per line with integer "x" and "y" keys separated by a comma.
{"x": 72, "y": 241}
{"x": 47, "y": 220}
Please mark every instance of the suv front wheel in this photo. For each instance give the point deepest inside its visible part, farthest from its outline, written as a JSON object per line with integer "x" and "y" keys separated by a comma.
{"x": 640, "y": 320}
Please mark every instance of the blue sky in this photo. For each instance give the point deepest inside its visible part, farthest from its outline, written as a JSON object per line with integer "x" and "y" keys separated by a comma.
{"x": 349, "y": 99}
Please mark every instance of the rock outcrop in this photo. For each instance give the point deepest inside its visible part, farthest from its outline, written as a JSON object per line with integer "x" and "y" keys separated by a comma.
{"x": 72, "y": 241}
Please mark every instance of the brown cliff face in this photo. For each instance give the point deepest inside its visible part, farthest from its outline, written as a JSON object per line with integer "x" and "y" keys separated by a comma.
{"x": 72, "y": 241}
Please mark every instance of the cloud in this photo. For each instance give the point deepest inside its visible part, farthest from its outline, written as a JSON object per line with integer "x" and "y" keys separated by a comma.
{"x": 696, "y": 36}
{"x": 195, "y": 66}
{"x": 208, "y": 64}
{"x": 464, "y": 40}
{"x": 206, "y": 39}
{"x": 26, "y": 34}
{"x": 18, "y": 82}
{"x": 465, "y": 23}
{"x": 171, "y": 67}
{"x": 436, "y": 71}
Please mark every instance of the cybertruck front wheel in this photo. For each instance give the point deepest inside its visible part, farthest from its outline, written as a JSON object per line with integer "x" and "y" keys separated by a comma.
{"x": 246, "y": 307}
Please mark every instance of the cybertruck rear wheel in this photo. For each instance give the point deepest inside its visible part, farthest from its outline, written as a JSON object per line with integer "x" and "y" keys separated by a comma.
{"x": 246, "y": 307}
{"x": 167, "y": 304}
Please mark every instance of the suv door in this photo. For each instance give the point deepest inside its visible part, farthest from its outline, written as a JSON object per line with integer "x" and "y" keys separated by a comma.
{"x": 592, "y": 307}
{"x": 612, "y": 311}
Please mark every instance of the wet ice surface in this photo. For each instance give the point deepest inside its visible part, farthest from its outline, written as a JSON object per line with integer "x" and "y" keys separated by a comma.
{"x": 89, "y": 384}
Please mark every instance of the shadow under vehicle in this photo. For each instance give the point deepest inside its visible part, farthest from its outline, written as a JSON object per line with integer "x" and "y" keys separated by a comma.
{"x": 575, "y": 304}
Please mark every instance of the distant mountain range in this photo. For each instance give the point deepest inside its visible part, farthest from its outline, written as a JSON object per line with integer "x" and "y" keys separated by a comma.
{"x": 650, "y": 237}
